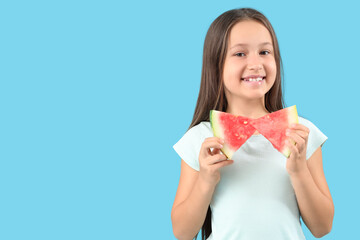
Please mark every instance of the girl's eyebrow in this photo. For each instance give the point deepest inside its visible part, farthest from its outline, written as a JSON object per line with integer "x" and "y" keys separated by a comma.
{"x": 244, "y": 44}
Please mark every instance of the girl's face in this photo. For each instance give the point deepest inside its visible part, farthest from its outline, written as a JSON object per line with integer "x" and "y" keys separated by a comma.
{"x": 250, "y": 57}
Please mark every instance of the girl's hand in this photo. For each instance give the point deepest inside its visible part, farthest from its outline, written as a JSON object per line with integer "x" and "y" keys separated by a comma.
{"x": 212, "y": 161}
{"x": 296, "y": 162}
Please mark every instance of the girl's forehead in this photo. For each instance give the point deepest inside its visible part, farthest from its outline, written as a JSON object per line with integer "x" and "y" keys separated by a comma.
{"x": 246, "y": 33}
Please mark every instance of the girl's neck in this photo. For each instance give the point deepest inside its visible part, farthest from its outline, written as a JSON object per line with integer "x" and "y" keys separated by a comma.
{"x": 250, "y": 109}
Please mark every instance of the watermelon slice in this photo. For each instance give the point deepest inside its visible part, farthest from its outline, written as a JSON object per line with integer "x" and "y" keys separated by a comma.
{"x": 273, "y": 127}
{"x": 235, "y": 130}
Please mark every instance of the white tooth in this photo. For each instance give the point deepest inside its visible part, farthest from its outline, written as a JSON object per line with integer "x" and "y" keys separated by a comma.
{"x": 254, "y": 79}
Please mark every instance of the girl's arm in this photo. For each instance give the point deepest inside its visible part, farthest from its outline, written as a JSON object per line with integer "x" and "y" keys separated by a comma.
{"x": 196, "y": 189}
{"x": 191, "y": 203}
{"x": 313, "y": 196}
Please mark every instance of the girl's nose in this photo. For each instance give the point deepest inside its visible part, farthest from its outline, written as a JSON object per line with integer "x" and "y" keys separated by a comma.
{"x": 255, "y": 67}
{"x": 254, "y": 63}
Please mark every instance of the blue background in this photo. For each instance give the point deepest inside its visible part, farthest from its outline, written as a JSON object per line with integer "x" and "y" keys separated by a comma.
{"x": 94, "y": 94}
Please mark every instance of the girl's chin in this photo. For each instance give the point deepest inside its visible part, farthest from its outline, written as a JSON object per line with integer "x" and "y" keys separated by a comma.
{"x": 249, "y": 96}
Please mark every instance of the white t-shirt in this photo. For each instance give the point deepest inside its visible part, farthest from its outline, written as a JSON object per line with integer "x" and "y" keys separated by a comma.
{"x": 254, "y": 199}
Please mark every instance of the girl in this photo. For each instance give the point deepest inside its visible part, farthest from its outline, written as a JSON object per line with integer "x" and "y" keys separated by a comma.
{"x": 261, "y": 194}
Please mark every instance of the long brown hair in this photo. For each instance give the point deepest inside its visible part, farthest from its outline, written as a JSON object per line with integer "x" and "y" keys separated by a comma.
{"x": 211, "y": 94}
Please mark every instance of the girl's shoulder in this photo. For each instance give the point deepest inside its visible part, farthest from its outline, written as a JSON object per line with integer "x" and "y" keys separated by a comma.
{"x": 189, "y": 145}
{"x": 201, "y": 130}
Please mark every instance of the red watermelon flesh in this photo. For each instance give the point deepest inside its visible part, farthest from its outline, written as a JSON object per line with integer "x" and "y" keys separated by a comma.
{"x": 235, "y": 130}
{"x": 273, "y": 127}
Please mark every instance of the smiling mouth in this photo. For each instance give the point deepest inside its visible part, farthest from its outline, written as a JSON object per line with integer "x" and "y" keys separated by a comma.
{"x": 253, "y": 79}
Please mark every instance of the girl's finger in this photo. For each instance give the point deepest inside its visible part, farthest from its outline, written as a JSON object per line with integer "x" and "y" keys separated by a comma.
{"x": 302, "y": 133}
{"x": 300, "y": 142}
{"x": 299, "y": 126}
{"x": 293, "y": 149}
{"x": 210, "y": 139}
{"x": 222, "y": 164}
{"x": 216, "y": 158}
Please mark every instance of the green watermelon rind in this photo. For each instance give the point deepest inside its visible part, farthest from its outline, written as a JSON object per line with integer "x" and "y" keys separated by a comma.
{"x": 292, "y": 118}
{"x": 216, "y": 128}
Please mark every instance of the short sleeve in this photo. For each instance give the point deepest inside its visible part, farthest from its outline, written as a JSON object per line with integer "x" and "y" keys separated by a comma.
{"x": 316, "y": 138}
{"x": 188, "y": 147}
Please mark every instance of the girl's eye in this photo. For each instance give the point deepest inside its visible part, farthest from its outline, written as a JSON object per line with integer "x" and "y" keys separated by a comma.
{"x": 240, "y": 54}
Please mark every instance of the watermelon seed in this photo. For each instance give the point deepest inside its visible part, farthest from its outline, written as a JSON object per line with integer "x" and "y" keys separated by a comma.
{"x": 245, "y": 122}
